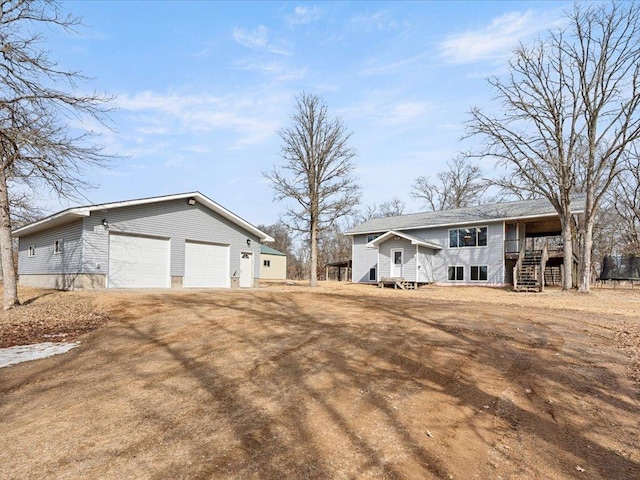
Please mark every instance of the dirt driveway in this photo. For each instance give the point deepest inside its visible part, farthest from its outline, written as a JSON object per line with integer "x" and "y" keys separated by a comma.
{"x": 339, "y": 382}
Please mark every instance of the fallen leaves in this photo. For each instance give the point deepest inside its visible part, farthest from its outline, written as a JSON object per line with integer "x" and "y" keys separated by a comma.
{"x": 58, "y": 317}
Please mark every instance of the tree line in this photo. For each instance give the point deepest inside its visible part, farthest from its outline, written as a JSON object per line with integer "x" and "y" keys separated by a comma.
{"x": 564, "y": 120}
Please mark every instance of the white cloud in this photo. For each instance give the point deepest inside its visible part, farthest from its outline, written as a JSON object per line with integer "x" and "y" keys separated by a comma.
{"x": 303, "y": 15}
{"x": 376, "y": 67}
{"x": 252, "y": 117}
{"x": 375, "y": 21}
{"x": 494, "y": 41}
{"x": 258, "y": 39}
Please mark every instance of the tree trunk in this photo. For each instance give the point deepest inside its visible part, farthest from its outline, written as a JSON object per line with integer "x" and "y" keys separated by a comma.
{"x": 6, "y": 248}
{"x": 313, "y": 280}
{"x": 567, "y": 251}
{"x": 585, "y": 257}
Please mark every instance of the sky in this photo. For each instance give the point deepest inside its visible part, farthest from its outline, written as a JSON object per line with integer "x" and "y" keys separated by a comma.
{"x": 201, "y": 88}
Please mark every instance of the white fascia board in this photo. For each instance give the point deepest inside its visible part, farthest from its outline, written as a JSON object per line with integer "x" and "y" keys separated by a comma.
{"x": 68, "y": 215}
{"x": 472, "y": 222}
{"x": 393, "y": 233}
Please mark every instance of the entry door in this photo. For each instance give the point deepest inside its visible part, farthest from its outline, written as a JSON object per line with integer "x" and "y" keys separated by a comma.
{"x": 396, "y": 262}
{"x": 246, "y": 269}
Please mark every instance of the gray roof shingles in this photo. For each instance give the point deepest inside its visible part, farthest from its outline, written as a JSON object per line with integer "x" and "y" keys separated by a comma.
{"x": 461, "y": 216}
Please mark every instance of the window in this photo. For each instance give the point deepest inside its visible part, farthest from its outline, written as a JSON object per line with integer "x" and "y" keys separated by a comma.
{"x": 468, "y": 237}
{"x": 371, "y": 238}
{"x": 456, "y": 274}
{"x": 266, "y": 263}
{"x": 372, "y": 274}
{"x": 479, "y": 273}
{"x": 57, "y": 246}
{"x": 32, "y": 250}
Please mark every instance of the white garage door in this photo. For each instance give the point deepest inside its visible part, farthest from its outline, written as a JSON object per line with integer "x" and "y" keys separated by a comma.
{"x": 138, "y": 262}
{"x": 206, "y": 265}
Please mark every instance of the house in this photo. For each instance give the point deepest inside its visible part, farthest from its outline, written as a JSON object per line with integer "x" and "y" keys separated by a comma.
{"x": 480, "y": 245}
{"x": 273, "y": 264}
{"x": 182, "y": 240}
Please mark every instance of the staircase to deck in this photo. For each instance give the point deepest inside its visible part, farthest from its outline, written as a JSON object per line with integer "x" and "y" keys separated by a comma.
{"x": 397, "y": 282}
{"x": 529, "y": 272}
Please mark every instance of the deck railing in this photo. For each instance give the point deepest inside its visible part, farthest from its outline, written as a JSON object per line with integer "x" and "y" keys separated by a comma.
{"x": 553, "y": 245}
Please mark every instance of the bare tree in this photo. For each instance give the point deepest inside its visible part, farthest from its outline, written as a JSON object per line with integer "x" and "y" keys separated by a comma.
{"x": 624, "y": 203}
{"x": 317, "y": 174}
{"x": 461, "y": 185}
{"x": 38, "y": 99}
{"x": 569, "y": 113}
{"x": 390, "y": 208}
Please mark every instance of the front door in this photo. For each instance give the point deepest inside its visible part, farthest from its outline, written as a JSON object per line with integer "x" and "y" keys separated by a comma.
{"x": 246, "y": 269}
{"x": 396, "y": 262}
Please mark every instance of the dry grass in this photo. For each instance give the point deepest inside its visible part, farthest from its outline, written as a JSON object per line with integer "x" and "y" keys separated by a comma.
{"x": 343, "y": 381}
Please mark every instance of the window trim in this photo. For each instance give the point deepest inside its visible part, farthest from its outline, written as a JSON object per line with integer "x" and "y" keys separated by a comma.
{"x": 31, "y": 251}
{"x": 456, "y": 272}
{"x": 372, "y": 237}
{"x": 478, "y": 228}
{"x": 486, "y": 267}
{"x": 58, "y": 247}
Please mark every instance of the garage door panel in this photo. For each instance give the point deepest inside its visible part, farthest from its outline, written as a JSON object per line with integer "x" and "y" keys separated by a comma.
{"x": 206, "y": 265}
{"x": 138, "y": 262}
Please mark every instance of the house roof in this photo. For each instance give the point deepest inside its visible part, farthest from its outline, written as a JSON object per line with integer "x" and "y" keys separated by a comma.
{"x": 70, "y": 214}
{"x": 271, "y": 251}
{"x": 540, "y": 207}
{"x": 414, "y": 240}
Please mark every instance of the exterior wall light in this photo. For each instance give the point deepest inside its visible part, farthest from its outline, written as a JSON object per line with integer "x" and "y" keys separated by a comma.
{"x": 105, "y": 223}
{"x": 191, "y": 201}
{"x": 248, "y": 242}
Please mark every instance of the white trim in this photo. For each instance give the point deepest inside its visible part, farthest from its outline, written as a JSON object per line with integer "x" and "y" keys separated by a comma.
{"x": 468, "y": 223}
{"x": 78, "y": 212}
{"x": 393, "y": 233}
{"x": 456, "y": 267}
{"x": 392, "y": 261}
{"x": 478, "y": 266}
{"x": 470, "y": 246}
{"x": 417, "y": 261}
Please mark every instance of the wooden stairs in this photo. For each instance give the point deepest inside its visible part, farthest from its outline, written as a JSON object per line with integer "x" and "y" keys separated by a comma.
{"x": 397, "y": 282}
{"x": 530, "y": 271}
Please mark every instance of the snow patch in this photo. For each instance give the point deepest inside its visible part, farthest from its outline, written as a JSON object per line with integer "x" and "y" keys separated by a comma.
{"x": 24, "y": 353}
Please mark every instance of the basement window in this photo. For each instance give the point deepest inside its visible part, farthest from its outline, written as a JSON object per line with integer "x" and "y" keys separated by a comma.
{"x": 479, "y": 273}
{"x": 455, "y": 273}
{"x": 57, "y": 246}
{"x": 32, "y": 250}
{"x": 372, "y": 274}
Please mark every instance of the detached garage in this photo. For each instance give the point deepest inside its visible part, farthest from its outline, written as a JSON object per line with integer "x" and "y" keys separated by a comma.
{"x": 184, "y": 240}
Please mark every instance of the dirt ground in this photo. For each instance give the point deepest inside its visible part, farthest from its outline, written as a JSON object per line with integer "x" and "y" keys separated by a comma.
{"x": 339, "y": 382}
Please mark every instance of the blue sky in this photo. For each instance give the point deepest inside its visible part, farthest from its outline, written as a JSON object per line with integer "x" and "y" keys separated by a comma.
{"x": 202, "y": 87}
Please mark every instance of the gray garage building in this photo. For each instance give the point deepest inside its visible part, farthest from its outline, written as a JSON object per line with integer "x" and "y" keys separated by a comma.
{"x": 182, "y": 240}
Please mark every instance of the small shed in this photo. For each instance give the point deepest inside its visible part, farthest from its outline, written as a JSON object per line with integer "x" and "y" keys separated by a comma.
{"x": 273, "y": 264}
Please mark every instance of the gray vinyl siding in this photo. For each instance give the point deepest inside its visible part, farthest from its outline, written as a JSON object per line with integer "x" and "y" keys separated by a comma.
{"x": 363, "y": 258}
{"x": 45, "y": 260}
{"x": 408, "y": 259}
{"x": 173, "y": 219}
{"x": 492, "y": 255}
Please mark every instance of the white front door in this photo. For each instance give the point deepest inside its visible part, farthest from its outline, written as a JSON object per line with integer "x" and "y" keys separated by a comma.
{"x": 396, "y": 262}
{"x": 246, "y": 269}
